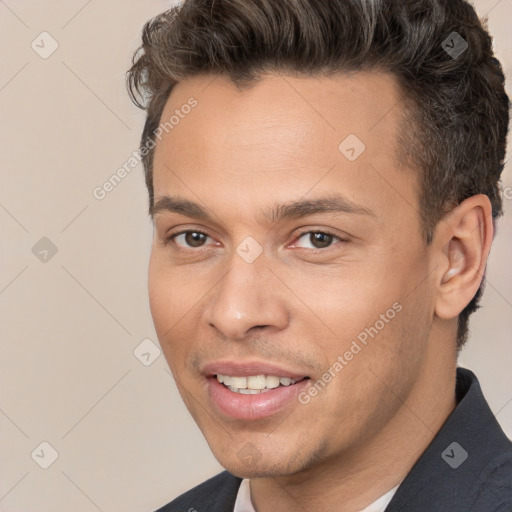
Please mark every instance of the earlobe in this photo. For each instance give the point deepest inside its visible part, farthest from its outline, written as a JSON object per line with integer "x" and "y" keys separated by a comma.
{"x": 464, "y": 239}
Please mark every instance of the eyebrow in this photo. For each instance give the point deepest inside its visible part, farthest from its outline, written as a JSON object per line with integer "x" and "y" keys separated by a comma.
{"x": 292, "y": 210}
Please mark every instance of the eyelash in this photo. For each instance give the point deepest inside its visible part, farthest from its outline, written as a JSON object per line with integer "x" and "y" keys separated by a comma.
{"x": 169, "y": 240}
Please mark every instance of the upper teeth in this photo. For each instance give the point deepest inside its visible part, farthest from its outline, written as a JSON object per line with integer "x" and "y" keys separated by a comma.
{"x": 254, "y": 383}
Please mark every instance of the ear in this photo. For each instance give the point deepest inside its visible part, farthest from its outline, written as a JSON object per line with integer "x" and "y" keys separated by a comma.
{"x": 462, "y": 241}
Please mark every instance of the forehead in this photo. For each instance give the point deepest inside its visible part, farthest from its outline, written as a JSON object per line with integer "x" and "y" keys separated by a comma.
{"x": 301, "y": 111}
{"x": 285, "y": 135}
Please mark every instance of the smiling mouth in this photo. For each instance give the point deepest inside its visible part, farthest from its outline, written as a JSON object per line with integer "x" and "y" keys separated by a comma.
{"x": 255, "y": 384}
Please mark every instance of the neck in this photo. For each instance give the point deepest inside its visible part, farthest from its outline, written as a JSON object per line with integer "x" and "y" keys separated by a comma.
{"x": 361, "y": 475}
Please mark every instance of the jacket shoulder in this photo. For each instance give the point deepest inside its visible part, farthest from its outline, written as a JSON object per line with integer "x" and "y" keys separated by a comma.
{"x": 216, "y": 494}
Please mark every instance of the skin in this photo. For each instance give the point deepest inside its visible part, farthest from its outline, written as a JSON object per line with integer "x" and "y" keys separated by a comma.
{"x": 300, "y": 304}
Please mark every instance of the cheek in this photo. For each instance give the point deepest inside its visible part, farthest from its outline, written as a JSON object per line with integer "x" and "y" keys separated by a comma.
{"x": 167, "y": 301}
{"x": 175, "y": 295}
{"x": 346, "y": 301}
{"x": 171, "y": 293}
{"x": 378, "y": 370}
{"x": 159, "y": 297}
{"x": 379, "y": 317}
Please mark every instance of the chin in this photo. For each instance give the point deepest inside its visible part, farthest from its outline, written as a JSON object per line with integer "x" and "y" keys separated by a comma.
{"x": 249, "y": 462}
{"x": 256, "y": 471}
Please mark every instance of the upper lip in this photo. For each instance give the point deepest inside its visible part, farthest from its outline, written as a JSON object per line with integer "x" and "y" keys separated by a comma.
{"x": 248, "y": 368}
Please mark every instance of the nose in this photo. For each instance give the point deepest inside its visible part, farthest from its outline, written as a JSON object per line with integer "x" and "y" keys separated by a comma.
{"x": 249, "y": 296}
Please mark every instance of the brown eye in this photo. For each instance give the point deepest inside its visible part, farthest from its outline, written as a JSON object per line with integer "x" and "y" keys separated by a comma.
{"x": 195, "y": 239}
{"x": 321, "y": 240}
{"x": 190, "y": 239}
{"x": 317, "y": 240}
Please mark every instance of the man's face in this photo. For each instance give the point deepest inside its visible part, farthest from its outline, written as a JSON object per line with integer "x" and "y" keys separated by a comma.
{"x": 256, "y": 288}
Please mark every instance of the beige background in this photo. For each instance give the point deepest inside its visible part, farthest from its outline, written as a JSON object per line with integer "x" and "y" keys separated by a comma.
{"x": 70, "y": 325}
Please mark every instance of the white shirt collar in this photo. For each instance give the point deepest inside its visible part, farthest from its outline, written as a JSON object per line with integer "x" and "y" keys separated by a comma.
{"x": 243, "y": 500}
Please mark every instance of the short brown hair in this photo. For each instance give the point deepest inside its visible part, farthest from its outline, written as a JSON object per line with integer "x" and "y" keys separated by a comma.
{"x": 457, "y": 108}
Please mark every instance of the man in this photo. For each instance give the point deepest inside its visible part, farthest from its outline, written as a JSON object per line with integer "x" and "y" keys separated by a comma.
{"x": 324, "y": 180}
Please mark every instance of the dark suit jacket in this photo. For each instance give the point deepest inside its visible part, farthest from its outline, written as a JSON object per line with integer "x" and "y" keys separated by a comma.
{"x": 466, "y": 468}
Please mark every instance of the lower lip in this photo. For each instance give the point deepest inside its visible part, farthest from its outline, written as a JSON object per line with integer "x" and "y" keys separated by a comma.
{"x": 253, "y": 407}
